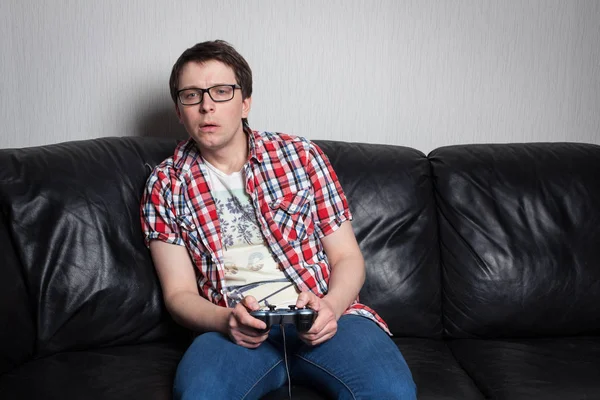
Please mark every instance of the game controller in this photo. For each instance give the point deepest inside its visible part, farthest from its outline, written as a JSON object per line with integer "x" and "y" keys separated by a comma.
{"x": 302, "y": 318}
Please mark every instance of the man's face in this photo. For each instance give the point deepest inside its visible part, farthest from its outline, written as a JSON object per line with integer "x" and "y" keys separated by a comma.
{"x": 213, "y": 126}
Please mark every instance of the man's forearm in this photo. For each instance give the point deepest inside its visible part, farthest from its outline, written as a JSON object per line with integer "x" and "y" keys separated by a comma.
{"x": 198, "y": 314}
{"x": 346, "y": 280}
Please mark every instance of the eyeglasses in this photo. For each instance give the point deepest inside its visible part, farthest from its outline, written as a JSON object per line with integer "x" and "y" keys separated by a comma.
{"x": 218, "y": 94}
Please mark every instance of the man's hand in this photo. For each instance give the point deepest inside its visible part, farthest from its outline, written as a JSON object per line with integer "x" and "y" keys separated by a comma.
{"x": 243, "y": 328}
{"x": 325, "y": 325}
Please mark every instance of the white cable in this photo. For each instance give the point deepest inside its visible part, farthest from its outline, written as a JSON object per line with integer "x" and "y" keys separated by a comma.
{"x": 287, "y": 370}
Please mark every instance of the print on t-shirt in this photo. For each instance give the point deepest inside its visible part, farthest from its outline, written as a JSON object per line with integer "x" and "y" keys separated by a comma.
{"x": 250, "y": 268}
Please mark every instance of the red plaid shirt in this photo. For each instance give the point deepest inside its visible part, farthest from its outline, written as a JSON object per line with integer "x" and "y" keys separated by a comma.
{"x": 296, "y": 196}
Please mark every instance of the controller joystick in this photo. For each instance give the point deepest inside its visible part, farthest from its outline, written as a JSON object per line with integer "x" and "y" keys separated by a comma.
{"x": 302, "y": 318}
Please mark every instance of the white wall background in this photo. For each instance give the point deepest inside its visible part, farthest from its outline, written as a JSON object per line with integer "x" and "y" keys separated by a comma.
{"x": 421, "y": 73}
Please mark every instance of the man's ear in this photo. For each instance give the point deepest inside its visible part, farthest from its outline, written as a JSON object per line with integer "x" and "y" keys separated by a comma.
{"x": 246, "y": 103}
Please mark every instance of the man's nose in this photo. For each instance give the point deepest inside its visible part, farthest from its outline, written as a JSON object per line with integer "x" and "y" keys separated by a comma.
{"x": 207, "y": 103}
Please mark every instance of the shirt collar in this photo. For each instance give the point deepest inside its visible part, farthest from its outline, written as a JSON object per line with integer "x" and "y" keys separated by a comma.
{"x": 187, "y": 153}
{"x": 255, "y": 145}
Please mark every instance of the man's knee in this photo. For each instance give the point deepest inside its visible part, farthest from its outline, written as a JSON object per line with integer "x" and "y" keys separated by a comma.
{"x": 215, "y": 367}
{"x": 401, "y": 387}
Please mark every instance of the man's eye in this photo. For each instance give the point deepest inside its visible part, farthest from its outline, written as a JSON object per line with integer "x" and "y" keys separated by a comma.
{"x": 191, "y": 95}
{"x": 221, "y": 91}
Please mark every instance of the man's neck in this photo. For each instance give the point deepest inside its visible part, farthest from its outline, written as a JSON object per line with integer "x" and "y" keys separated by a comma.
{"x": 229, "y": 159}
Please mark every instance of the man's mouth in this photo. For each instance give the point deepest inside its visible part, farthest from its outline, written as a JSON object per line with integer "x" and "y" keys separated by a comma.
{"x": 208, "y": 127}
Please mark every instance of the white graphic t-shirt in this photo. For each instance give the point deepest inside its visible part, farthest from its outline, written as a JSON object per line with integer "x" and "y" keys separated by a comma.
{"x": 250, "y": 268}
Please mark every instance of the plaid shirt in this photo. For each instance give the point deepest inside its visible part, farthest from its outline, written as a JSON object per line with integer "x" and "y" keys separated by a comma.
{"x": 296, "y": 196}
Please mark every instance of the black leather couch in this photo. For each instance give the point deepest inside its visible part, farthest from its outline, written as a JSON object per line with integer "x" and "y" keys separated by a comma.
{"x": 483, "y": 259}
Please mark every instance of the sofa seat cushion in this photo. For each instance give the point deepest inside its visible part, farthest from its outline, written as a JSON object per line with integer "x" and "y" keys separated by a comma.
{"x": 552, "y": 368}
{"x": 435, "y": 371}
{"x": 142, "y": 371}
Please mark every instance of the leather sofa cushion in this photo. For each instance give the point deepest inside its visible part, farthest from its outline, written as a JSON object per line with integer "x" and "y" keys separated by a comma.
{"x": 73, "y": 212}
{"x": 435, "y": 371}
{"x": 519, "y": 236}
{"x": 390, "y": 195}
{"x": 17, "y": 332}
{"x": 549, "y": 369}
{"x": 144, "y": 371}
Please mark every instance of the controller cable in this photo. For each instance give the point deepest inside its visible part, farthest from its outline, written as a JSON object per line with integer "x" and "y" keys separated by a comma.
{"x": 287, "y": 369}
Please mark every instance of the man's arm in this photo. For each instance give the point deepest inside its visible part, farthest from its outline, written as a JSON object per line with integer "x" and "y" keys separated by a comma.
{"x": 345, "y": 281}
{"x": 183, "y": 301}
{"x": 347, "y": 268}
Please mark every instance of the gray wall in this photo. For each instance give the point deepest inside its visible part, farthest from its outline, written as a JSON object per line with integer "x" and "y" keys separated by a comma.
{"x": 416, "y": 73}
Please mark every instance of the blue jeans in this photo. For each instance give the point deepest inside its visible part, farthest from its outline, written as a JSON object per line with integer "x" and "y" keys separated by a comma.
{"x": 359, "y": 362}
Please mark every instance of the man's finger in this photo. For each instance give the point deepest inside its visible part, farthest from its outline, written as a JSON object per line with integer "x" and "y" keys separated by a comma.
{"x": 308, "y": 299}
{"x": 255, "y": 323}
{"x": 250, "y": 303}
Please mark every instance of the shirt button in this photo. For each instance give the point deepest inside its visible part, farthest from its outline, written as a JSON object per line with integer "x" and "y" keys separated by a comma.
{"x": 193, "y": 226}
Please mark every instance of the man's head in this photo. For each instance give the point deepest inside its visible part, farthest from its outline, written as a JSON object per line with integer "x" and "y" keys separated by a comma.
{"x": 218, "y": 50}
{"x": 204, "y": 82}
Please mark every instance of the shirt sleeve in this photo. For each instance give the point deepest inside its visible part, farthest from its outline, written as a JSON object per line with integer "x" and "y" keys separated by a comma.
{"x": 158, "y": 214}
{"x": 331, "y": 203}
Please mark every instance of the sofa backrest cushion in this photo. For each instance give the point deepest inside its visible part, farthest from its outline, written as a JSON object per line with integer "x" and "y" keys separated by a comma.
{"x": 520, "y": 238}
{"x": 72, "y": 214}
{"x": 72, "y": 210}
{"x": 390, "y": 194}
{"x": 17, "y": 330}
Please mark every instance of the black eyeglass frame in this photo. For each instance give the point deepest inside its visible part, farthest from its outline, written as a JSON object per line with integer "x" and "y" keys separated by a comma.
{"x": 207, "y": 90}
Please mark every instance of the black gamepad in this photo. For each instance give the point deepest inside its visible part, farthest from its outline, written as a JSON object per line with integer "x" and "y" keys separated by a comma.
{"x": 302, "y": 318}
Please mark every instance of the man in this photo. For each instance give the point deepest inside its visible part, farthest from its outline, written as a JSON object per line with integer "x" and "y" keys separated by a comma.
{"x": 236, "y": 220}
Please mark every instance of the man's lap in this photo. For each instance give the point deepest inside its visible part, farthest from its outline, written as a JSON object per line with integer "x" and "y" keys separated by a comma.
{"x": 360, "y": 358}
{"x": 214, "y": 365}
{"x": 360, "y": 361}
